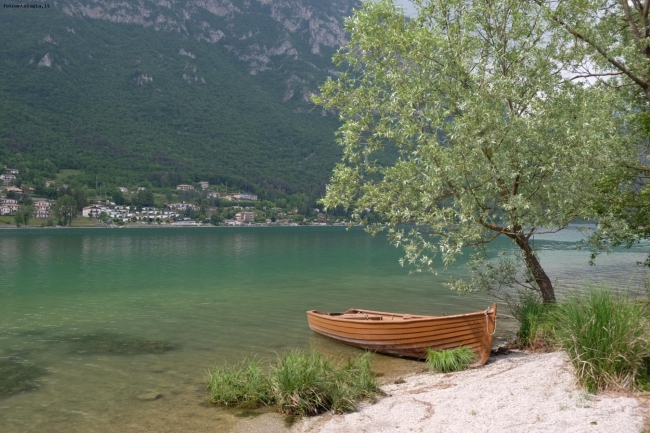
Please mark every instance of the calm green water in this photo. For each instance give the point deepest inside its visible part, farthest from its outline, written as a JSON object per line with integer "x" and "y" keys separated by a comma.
{"x": 102, "y": 320}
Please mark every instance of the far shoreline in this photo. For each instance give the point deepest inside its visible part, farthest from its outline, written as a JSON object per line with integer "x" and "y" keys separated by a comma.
{"x": 161, "y": 226}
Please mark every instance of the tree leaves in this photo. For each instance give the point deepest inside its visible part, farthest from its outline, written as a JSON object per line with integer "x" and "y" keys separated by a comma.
{"x": 491, "y": 138}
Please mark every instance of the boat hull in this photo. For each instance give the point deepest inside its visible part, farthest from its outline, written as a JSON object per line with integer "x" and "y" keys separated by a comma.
{"x": 408, "y": 335}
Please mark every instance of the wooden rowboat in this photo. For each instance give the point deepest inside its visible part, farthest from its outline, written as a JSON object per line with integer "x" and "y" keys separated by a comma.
{"x": 408, "y": 335}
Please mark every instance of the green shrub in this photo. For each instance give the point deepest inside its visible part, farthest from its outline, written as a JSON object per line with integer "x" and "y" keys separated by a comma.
{"x": 355, "y": 382}
{"x": 445, "y": 361}
{"x": 643, "y": 379}
{"x": 301, "y": 383}
{"x": 244, "y": 385}
{"x": 535, "y": 318}
{"x": 358, "y": 374}
{"x": 606, "y": 338}
{"x": 307, "y": 383}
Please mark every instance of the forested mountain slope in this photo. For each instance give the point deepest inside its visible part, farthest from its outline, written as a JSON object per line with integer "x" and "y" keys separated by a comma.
{"x": 172, "y": 91}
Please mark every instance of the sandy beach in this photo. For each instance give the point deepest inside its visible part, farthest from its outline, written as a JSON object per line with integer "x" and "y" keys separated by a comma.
{"x": 517, "y": 392}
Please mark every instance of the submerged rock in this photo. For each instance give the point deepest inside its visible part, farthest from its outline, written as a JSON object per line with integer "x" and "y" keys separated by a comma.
{"x": 150, "y": 396}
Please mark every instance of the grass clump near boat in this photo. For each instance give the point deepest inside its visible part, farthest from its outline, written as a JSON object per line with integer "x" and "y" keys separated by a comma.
{"x": 607, "y": 339}
{"x": 245, "y": 385}
{"x": 301, "y": 383}
{"x": 446, "y": 361}
{"x": 536, "y": 322}
{"x": 308, "y": 383}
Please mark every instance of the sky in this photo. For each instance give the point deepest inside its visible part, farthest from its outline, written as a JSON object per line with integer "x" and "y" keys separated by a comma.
{"x": 407, "y": 5}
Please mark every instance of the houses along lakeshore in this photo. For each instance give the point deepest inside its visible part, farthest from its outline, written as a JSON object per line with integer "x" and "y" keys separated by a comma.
{"x": 198, "y": 204}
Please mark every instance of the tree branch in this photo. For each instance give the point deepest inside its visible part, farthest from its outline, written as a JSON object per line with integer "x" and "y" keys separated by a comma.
{"x": 641, "y": 169}
{"x": 603, "y": 74}
{"x": 618, "y": 65}
{"x": 630, "y": 21}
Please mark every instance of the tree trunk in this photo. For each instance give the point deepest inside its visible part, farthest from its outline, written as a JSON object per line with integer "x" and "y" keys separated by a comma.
{"x": 535, "y": 268}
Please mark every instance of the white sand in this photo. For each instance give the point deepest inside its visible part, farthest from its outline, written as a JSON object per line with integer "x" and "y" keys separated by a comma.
{"x": 513, "y": 393}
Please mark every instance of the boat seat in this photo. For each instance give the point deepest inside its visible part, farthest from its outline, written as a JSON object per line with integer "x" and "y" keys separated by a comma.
{"x": 361, "y": 316}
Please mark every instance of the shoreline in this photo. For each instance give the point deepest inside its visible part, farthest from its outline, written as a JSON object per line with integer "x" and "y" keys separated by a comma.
{"x": 163, "y": 226}
{"x": 517, "y": 392}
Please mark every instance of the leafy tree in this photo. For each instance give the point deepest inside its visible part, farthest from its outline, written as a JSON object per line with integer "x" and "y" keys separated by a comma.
{"x": 281, "y": 203}
{"x": 118, "y": 197}
{"x": 18, "y": 219}
{"x": 610, "y": 40}
{"x": 203, "y": 210}
{"x": 66, "y": 209}
{"x": 27, "y": 210}
{"x": 80, "y": 196}
{"x": 188, "y": 195}
{"x": 491, "y": 140}
{"x": 149, "y": 199}
{"x": 143, "y": 198}
{"x": 47, "y": 167}
{"x": 300, "y": 202}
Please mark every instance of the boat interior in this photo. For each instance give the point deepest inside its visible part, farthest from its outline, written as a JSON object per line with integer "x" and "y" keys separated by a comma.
{"x": 371, "y": 315}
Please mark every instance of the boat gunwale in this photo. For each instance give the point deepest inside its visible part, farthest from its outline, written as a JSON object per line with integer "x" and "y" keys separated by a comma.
{"x": 413, "y": 317}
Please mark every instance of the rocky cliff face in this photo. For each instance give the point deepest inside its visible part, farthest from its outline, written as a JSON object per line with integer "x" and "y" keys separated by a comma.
{"x": 292, "y": 38}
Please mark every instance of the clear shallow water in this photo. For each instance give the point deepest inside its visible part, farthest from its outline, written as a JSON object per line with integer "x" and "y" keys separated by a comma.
{"x": 108, "y": 319}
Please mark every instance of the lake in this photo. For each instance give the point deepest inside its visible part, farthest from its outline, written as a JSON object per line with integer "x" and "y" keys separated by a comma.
{"x": 113, "y": 330}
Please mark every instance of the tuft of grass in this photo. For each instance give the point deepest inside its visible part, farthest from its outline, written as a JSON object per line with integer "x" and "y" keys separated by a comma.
{"x": 355, "y": 382}
{"x": 244, "y": 385}
{"x": 643, "y": 378}
{"x": 308, "y": 383}
{"x": 607, "y": 340}
{"x": 446, "y": 361}
{"x": 301, "y": 383}
{"x": 360, "y": 377}
{"x": 536, "y": 322}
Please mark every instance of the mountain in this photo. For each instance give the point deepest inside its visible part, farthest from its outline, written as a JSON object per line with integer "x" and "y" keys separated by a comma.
{"x": 171, "y": 91}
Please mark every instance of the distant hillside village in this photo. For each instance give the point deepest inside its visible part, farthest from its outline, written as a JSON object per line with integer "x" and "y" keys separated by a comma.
{"x": 56, "y": 203}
